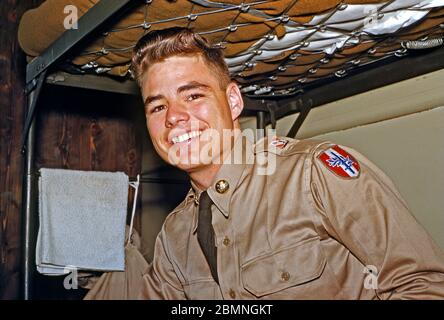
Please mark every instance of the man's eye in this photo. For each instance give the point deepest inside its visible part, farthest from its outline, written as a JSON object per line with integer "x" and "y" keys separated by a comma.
{"x": 194, "y": 96}
{"x": 157, "y": 109}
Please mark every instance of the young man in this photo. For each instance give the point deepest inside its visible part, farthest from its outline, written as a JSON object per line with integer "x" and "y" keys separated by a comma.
{"x": 325, "y": 223}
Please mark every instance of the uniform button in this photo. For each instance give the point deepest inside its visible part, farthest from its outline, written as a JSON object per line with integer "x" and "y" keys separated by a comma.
{"x": 232, "y": 294}
{"x": 222, "y": 186}
{"x": 285, "y": 276}
{"x": 226, "y": 241}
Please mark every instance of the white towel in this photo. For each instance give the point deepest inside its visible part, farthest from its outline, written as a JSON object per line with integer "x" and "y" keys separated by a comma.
{"x": 82, "y": 221}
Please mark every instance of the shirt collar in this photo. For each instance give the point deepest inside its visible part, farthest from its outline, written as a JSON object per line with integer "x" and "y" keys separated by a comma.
{"x": 231, "y": 172}
{"x": 189, "y": 197}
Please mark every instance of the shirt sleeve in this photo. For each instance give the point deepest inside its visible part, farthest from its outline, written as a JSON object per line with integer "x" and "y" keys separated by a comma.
{"x": 160, "y": 279}
{"x": 368, "y": 216}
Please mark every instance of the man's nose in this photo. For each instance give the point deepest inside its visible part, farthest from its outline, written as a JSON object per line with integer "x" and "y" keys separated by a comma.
{"x": 176, "y": 113}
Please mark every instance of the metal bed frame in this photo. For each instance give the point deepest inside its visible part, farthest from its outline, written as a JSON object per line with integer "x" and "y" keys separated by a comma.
{"x": 266, "y": 109}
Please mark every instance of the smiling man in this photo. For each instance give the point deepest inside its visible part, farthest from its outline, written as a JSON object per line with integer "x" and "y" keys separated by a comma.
{"x": 183, "y": 105}
{"x": 325, "y": 224}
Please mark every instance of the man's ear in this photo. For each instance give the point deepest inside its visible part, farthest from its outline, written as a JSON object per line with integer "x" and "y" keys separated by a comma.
{"x": 235, "y": 100}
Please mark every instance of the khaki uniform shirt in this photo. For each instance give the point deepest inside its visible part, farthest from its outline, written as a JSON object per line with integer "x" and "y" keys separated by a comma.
{"x": 303, "y": 232}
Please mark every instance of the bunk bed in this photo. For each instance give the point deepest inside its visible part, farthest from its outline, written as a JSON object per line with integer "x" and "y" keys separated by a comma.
{"x": 288, "y": 56}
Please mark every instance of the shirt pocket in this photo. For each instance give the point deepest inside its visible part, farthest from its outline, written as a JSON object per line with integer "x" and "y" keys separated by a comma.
{"x": 285, "y": 268}
{"x": 202, "y": 290}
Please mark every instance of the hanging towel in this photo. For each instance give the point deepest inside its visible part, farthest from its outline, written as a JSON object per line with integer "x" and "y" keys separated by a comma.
{"x": 82, "y": 221}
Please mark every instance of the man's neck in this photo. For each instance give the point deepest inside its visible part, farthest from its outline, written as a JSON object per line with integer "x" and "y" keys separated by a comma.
{"x": 203, "y": 178}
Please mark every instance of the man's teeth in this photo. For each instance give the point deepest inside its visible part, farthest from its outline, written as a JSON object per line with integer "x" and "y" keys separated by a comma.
{"x": 186, "y": 136}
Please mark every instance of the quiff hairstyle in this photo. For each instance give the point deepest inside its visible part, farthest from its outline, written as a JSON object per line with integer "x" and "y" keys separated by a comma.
{"x": 156, "y": 46}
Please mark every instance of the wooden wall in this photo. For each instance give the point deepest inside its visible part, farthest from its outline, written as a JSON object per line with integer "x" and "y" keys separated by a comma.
{"x": 76, "y": 129}
{"x": 88, "y": 130}
{"x": 12, "y": 108}
{"x": 84, "y": 129}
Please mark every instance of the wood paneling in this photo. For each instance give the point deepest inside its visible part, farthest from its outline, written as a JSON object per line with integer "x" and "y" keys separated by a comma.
{"x": 76, "y": 129}
{"x": 87, "y": 130}
{"x": 83, "y": 129}
{"x": 12, "y": 108}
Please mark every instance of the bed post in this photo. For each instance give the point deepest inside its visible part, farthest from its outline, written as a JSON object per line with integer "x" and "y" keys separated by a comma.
{"x": 29, "y": 214}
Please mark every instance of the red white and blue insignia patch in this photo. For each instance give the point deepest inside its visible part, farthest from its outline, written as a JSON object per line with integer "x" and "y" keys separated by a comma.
{"x": 340, "y": 162}
{"x": 278, "y": 143}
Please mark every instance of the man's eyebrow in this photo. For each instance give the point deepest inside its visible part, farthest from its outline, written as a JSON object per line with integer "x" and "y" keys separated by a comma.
{"x": 151, "y": 99}
{"x": 188, "y": 86}
{"x": 192, "y": 85}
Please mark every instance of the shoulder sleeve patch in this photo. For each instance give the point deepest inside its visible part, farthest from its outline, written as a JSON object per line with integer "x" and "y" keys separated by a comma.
{"x": 278, "y": 143}
{"x": 340, "y": 162}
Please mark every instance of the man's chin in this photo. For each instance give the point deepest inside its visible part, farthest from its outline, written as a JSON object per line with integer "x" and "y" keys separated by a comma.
{"x": 189, "y": 168}
{"x": 189, "y": 165}
{"x": 185, "y": 159}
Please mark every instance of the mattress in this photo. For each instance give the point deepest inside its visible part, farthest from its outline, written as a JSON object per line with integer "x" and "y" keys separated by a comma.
{"x": 271, "y": 47}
